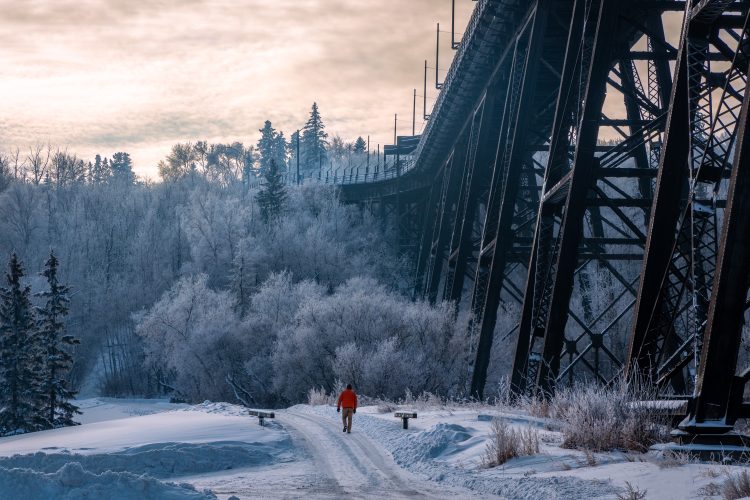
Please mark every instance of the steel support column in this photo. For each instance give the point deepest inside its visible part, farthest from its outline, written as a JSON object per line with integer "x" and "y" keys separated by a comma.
{"x": 719, "y": 391}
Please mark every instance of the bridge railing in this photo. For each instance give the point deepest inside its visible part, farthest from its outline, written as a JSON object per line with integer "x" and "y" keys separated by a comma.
{"x": 469, "y": 33}
{"x": 357, "y": 174}
{"x": 363, "y": 174}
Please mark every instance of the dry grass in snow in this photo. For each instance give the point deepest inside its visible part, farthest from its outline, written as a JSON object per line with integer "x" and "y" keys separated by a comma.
{"x": 737, "y": 486}
{"x": 600, "y": 419}
{"x": 506, "y": 443}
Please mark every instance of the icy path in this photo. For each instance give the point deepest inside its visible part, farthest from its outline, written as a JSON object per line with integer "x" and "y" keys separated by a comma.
{"x": 329, "y": 465}
{"x": 352, "y": 464}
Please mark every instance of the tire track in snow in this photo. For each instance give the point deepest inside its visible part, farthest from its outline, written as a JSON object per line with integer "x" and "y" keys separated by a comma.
{"x": 353, "y": 462}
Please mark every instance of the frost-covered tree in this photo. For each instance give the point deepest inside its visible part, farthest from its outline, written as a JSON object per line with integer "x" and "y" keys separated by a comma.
{"x": 55, "y": 343}
{"x": 337, "y": 150}
{"x": 66, "y": 169}
{"x": 241, "y": 282}
{"x": 271, "y": 147}
{"x": 228, "y": 163}
{"x": 272, "y": 195}
{"x": 180, "y": 162}
{"x": 314, "y": 141}
{"x": 381, "y": 342}
{"x": 193, "y": 340}
{"x": 21, "y": 366}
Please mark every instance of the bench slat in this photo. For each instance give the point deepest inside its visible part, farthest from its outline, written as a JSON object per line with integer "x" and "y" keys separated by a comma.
{"x": 402, "y": 414}
{"x": 261, "y": 414}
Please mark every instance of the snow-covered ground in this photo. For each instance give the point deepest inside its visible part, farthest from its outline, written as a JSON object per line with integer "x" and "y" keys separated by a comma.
{"x": 147, "y": 449}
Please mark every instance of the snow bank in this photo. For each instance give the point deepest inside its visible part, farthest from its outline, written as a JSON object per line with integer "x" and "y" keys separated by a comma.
{"x": 160, "y": 459}
{"x": 194, "y": 427}
{"x": 72, "y": 482}
{"x": 429, "y": 449}
{"x": 115, "y": 458}
{"x": 441, "y": 441}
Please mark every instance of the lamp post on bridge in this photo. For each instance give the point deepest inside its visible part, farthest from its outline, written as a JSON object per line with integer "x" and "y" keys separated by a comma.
{"x": 414, "y": 114}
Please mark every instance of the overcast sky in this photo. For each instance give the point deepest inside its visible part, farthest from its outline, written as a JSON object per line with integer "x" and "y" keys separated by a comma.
{"x": 100, "y": 76}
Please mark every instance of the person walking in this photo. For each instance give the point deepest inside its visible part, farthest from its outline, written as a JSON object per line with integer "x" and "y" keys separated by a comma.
{"x": 347, "y": 400}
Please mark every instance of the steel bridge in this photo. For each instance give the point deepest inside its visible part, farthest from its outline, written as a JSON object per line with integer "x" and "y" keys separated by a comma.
{"x": 596, "y": 147}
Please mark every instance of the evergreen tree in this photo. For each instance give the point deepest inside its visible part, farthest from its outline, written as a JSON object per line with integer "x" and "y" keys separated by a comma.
{"x": 272, "y": 195}
{"x": 99, "y": 170}
{"x": 271, "y": 146}
{"x": 266, "y": 146}
{"x": 279, "y": 150}
{"x": 106, "y": 170}
{"x": 314, "y": 141}
{"x": 20, "y": 357}
{"x": 292, "y": 148}
{"x": 53, "y": 341}
{"x": 360, "y": 145}
{"x": 122, "y": 168}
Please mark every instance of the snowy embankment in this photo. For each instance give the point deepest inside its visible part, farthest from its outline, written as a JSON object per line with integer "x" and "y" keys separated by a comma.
{"x": 141, "y": 449}
{"x": 131, "y": 457}
{"x": 446, "y": 445}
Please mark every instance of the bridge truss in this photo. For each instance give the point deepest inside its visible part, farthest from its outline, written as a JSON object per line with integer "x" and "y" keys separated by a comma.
{"x": 586, "y": 171}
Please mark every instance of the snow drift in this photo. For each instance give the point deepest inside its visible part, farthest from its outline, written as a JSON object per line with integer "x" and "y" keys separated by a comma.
{"x": 72, "y": 482}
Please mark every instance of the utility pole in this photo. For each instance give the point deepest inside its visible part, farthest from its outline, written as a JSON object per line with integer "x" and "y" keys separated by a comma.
{"x": 368, "y": 153}
{"x": 438, "y": 85}
{"x": 395, "y": 118}
{"x": 424, "y": 93}
{"x": 414, "y": 114}
{"x": 454, "y": 44}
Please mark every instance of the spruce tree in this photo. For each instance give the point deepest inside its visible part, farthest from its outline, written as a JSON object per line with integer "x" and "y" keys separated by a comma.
{"x": 54, "y": 343}
{"x": 106, "y": 170}
{"x": 292, "y": 149}
{"x": 20, "y": 357}
{"x": 314, "y": 141}
{"x": 280, "y": 151}
{"x": 271, "y": 146}
{"x": 272, "y": 195}
{"x": 122, "y": 168}
{"x": 267, "y": 146}
{"x": 360, "y": 145}
{"x": 97, "y": 171}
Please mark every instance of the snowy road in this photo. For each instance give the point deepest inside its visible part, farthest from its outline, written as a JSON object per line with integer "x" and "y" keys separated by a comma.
{"x": 352, "y": 464}
{"x": 329, "y": 465}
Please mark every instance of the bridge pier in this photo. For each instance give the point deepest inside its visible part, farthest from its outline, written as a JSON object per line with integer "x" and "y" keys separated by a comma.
{"x": 533, "y": 183}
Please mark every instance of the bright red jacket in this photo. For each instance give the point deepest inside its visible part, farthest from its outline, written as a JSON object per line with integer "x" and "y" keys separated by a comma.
{"x": 347, "y": 399}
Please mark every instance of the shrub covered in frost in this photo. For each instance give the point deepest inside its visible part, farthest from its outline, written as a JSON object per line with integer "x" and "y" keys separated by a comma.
{"x": 598, "y": 419}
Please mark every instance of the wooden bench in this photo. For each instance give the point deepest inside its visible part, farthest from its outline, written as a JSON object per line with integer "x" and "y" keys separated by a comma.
{"x": 261, "y": 415}
{"x": 405, "y": 416}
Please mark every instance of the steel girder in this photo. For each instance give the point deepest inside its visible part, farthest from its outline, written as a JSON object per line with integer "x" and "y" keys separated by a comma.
{"x": 441, "y": 217}
{"x": 512, "y": 198}
{"x": 487, "y": 221}
{"x": 720, "y": 389}
{"x": 582, "y": 205}
{"x": 681, "y": 291}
